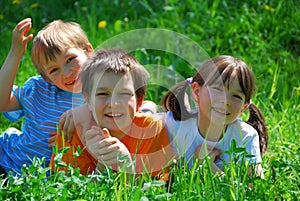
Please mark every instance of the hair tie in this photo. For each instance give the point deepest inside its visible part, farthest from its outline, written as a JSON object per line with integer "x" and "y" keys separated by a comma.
{"x": 189, "y": 80}
{"x": 249, "y": 102}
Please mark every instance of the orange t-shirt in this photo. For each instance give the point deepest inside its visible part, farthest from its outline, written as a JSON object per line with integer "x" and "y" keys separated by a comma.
{"x": 147, "y": 142}
{"x": 85, "y": 161}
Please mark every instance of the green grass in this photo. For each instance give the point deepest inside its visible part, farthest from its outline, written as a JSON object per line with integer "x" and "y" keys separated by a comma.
{"x": 263, "y": 33}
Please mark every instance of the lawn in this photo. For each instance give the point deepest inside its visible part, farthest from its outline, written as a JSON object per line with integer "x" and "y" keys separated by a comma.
{"x": 170, "y": 38}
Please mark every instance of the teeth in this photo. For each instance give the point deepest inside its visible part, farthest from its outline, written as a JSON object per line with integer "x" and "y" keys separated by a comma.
{"x": 69, "y": 83}
{"x": 114, "y": 115}
{"x": 221, "y": 111}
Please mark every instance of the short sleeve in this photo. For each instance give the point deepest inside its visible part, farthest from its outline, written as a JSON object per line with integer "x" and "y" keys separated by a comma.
{"x": 16, "y": 114}
{"x": 251, "y": 144}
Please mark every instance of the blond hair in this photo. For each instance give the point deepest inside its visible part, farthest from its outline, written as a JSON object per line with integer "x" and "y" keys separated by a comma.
{"x": 53, "y": 39}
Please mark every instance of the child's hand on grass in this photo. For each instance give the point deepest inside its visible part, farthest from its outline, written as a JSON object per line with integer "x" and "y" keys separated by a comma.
{"x": 213, "y": 153}
{"x": 202, "y": 151}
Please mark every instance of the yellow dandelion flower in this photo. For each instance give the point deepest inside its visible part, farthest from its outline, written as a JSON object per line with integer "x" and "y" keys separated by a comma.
{"x": 269, "y": 8}
{"x": 84, "y": 8}
{"x": 35, "y": 5}
{"x": 298, "y": 90}
{"x": 32, "y": 30}
{"x": 16, "y": 2}
{"x": 102, "y": 24}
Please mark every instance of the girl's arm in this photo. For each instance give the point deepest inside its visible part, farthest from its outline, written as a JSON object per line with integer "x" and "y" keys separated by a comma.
{"x": 203, "y": 151}
{"x": 8, "y": 101}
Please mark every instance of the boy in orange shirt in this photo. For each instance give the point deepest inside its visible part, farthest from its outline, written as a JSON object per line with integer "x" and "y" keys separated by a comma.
{"x": 114, "y": 86}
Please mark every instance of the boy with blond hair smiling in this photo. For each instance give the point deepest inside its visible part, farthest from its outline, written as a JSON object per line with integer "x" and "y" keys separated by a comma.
{"x": 58, "y": 52}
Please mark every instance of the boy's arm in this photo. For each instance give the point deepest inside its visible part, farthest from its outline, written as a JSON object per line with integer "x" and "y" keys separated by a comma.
{"x": 70, "y": 119}
{"x": 10, "y": 67}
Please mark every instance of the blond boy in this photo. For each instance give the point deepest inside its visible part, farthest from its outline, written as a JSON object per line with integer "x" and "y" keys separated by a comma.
{"x": 58, "y": 52}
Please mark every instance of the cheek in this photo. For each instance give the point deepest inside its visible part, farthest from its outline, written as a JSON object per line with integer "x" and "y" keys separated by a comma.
{"x": 97, "y": 105}
{"x": 81, "y": 61}
{"x": 54, "y": 78}
{"x": 132, "y": 103}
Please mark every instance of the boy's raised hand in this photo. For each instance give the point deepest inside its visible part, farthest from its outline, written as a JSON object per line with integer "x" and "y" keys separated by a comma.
{"x": 8, "y": 71}
{"x": 20, "y": 38}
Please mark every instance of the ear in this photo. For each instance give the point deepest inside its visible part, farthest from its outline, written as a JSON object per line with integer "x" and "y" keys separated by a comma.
{"x": 90, "y": 48}
{"x": 196, "y": 88}
{"x": 140, "y": 102}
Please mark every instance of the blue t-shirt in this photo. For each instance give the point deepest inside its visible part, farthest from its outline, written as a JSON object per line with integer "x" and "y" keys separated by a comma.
{"x": 42, "y": 105}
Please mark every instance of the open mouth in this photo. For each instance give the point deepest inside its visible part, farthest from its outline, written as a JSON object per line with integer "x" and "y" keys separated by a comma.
{"x": 71, "y": 82}
{"x": 113, "y": 115}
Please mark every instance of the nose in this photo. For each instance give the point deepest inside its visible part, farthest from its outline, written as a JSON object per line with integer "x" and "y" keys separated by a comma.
{"x": 66, "y": 70}
{"x": 227, "y": 98}
{"x": 224, "y": 97}
{"x": 113, "y": 102}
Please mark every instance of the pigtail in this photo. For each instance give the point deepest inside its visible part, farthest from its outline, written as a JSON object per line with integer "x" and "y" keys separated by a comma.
{"x": 257, "y": 121}
{"x": 174, "y": 101}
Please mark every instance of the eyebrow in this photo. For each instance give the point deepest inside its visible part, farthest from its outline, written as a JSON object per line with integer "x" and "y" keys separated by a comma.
{"x": 105, "y": 88}
{"x": 101, "y": 88}
{"x": 50, "y": 67}
{"x": 238, "y": 91}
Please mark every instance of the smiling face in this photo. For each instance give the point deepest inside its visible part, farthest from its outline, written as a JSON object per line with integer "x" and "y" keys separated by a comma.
{"x": 217, "y": 104}
{"x": 113, "y": 102}
{"x": 63, "y": 70}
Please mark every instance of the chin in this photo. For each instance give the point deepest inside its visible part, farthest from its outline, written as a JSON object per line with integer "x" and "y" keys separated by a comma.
{"x": 218, "y": 121}
{"x": 74, "y": 89}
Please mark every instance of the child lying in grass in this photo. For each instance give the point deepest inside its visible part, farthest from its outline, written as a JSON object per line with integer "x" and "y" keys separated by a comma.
{"x": 222, "y": 89}
{"x": 114, "y": 87}
{"x": 58, "y": 52}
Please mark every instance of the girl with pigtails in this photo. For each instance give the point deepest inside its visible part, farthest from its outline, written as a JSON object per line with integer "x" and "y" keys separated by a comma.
{"x": 222, "y": 90}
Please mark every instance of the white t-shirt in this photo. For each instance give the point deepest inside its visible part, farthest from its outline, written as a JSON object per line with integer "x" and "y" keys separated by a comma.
{"x": 185, "y": 139}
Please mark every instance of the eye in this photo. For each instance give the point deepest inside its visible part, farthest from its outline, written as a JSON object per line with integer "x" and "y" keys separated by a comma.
{"x": 102, "y": 94}
{"x": 53, "y": 70}
{"x": 127, "y": 94}
{"x": 237, "y": 96}
{"x": 70, "y": 59}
